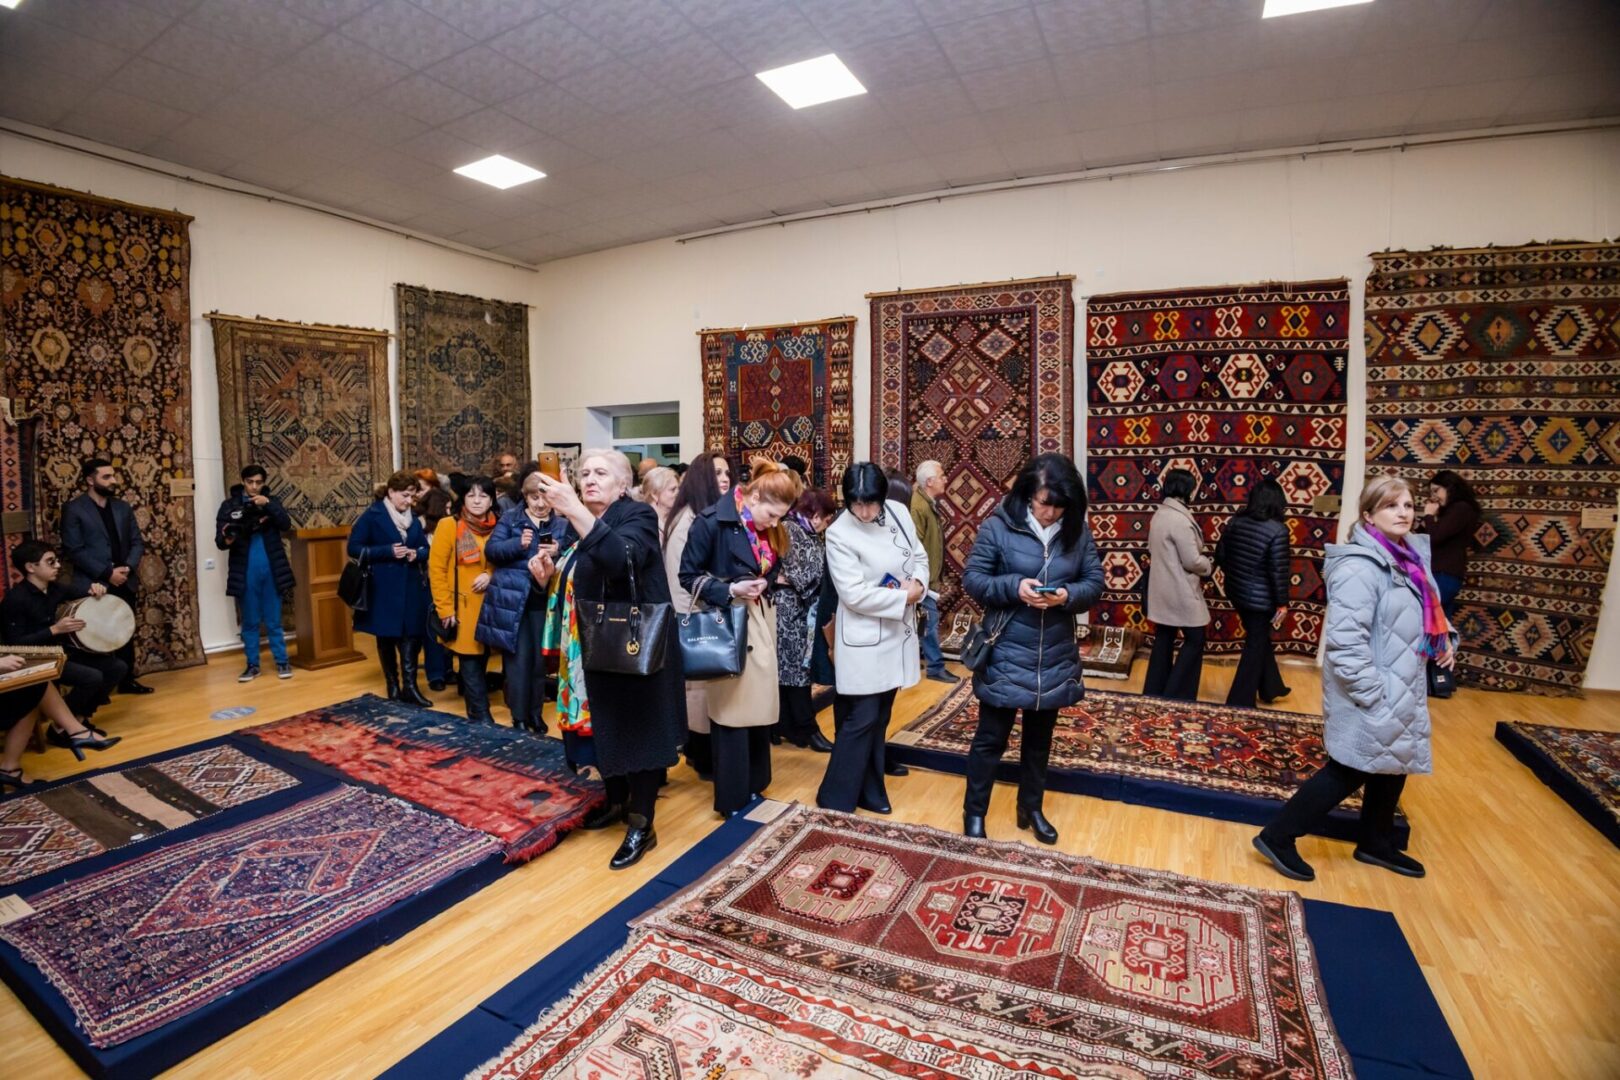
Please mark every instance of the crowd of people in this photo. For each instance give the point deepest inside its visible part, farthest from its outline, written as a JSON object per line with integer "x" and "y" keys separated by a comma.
{"x": 465, "y": 569}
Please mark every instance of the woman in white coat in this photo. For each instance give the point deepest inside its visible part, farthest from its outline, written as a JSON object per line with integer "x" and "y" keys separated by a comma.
{"x": 878, "y": 566}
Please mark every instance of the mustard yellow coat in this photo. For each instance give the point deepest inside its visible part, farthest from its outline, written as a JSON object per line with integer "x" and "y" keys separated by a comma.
{"x": 463, "y": 603}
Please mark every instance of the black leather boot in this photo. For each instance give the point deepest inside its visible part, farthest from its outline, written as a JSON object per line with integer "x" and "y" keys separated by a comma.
{"x": 639, "y": 839}
{"x": 388, "y": 657}
{"x": 973, "y": 826}
{"x": 818, "y": 742}
{"x": 409, "y": 694}
{"x": 603, "y": 816}
{"x": 1036, "y": 821}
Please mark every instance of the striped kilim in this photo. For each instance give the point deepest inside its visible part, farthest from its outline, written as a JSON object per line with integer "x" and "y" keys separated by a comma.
{"x": 1503, "y": 364}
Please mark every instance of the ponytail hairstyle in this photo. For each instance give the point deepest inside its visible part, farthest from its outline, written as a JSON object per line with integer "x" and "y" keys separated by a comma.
{"x": 774, "y": 481}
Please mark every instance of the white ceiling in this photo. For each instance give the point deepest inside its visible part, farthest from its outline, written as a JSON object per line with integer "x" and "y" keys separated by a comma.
{"x": 648, "y": 119}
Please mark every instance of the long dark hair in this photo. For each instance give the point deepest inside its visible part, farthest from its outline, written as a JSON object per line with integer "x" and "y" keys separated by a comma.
{"x": 1056, "y": 474}
{"x": 699, "y": 490}
{"x": 865, "y": 482}
{"x": 1458, "y": 490}
{"x": 1266, "y": 502}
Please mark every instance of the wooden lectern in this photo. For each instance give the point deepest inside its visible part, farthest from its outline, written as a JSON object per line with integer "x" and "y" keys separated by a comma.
{"x": 324, "y": 622}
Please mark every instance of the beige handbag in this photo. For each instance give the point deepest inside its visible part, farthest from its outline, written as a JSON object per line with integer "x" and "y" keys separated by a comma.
{"x": 751, "y": 699}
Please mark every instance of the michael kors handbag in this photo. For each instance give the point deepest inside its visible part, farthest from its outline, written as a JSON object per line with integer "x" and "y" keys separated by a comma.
{"x": 624, "y": 637}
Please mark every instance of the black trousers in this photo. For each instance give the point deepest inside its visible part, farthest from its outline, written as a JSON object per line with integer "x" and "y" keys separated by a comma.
{"x": 855, "y": 766}
{"x": 126, "y": 592}
{"x": 742, "y": 765}
{"x": 525, "y": 674}
{"x": 798, "y": 717}
{"x": 637, "y": 791}
{"x": 93, "y": 677}
{"x": 1330, "y": 787}
{"x": 990, "y": 742}
{"x": 1257, "y": 675}
{"x": 475, "y": 686}
{"x": 1176, "y": 679}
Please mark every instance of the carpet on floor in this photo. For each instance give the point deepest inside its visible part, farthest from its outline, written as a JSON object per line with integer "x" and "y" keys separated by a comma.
{"x": 1193, "y": 757}
{"x": 1235, "y": 384}
{"x": 1581, "y": 765}
{"x": 1503, "y": 365}
{"x": 512, "y": 785}
{"x": 1107, "y": 652}
{"x": 773, "y": 391}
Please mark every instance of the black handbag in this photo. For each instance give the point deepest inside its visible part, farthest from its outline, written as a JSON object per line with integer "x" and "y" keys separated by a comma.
{"x": 714, "y": 641}
{"x": 1442, "y": 681}
{"x": 981, "y": 641}
{"x": 621, "y": 637}
{"x": 354, "y": 584}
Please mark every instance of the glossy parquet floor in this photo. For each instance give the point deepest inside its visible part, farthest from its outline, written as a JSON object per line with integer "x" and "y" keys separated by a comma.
{"x": 1517, "y": 925}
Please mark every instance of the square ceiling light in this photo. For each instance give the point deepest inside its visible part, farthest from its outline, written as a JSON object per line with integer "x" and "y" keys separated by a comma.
{"x": 811, "y": 82}
{"x": 501, "y": 172}
{"x": 1274, "y": 8}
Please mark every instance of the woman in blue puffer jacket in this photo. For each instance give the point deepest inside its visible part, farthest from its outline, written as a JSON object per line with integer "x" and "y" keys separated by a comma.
{"x": 1034, "y": 567}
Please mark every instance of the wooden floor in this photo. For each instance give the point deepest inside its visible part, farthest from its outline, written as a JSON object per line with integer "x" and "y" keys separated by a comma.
{"x": 1517, "y": 925}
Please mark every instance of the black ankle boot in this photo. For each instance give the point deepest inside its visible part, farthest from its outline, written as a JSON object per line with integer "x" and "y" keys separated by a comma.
{"x": 973, "y": 826}
{"x": 388, "y": 657}
{"x": 603, "y": 816}
{"x": 819, "y": 743}
{"x": 1036, "y": 821}
{"x": 639, "y": 839}
{"x": 409, "y": 694}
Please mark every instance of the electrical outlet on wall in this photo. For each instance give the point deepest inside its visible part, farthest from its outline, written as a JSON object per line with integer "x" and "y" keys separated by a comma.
{"x": 208, "y": 564}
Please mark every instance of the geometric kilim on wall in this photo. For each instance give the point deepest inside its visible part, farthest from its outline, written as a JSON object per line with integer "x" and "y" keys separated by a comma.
{"x": 95, "y": 332}
{"x": 1236, "y": 384}
{"x": 310, "y": 404}
{"x": 979, "y": 378}
{"x": 463, "y": 380}
{"x": 1503, "y": 364}
{"x": 777, "y": 390}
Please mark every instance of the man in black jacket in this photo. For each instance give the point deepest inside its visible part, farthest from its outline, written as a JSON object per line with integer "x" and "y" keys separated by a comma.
{"x": 103, "y": 542}
{"x": 28, "y": 617}
{"x": 249, "y": 525}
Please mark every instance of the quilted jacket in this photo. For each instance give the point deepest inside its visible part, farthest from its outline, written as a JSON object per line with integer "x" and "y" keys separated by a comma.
{"x": 508, "y": 590}
{"x": 1374, "y": 689}
{"x": 1035, "y": 663}
{"x": 1253, "y": 557}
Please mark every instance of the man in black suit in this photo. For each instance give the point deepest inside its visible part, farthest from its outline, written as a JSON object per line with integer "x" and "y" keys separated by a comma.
{"x": 101, "y": 538}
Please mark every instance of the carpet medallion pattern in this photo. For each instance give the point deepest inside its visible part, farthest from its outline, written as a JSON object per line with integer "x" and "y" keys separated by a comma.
{"x": 1235, "y": 384}
{"x": 1022, "y": 952}
{"x": 1503, "y": 364}
{"x": 184, "y": 925}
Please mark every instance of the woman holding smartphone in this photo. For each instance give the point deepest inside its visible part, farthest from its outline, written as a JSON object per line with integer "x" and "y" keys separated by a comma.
{"x": 1033, "y": 568}
{"x": 513, "y": 618}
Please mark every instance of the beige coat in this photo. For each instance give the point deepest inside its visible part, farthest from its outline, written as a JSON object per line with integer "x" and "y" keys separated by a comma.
{"x": 1175, "y": 589}
{"x": 697, "y": 693}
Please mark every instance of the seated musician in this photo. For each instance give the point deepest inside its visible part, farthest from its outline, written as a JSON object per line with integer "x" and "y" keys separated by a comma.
{"x": 28, "y": 617}
{"x": 19, "y": 706}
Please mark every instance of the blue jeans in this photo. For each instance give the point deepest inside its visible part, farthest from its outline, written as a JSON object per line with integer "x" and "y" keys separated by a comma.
{"x": 1448, "y": 588}
{"x": 932, "y": 657}
{"x": 261, "y": 603}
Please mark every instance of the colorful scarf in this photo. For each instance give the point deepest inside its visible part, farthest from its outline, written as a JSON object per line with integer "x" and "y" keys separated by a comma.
{"x": 1436, "y": 629}
{"x": 757, "y": 540}
{"x": 468, "y": 550}
{"x": 560, "y": 638}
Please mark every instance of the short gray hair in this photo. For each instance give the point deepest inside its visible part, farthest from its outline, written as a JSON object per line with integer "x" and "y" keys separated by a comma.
{"x": 927, "y": 471}
{"x": 617, "y": 464}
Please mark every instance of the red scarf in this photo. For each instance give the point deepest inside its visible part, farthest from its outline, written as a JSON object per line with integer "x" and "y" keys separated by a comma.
{"x": 756, "y": 539}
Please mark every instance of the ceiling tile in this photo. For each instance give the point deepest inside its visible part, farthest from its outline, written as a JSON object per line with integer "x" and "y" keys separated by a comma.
{"x": 1568, "y": 95}
{"x": 1184, "y": 136}
{"x": 1044, "y": 156}
{"x": 1106, "y": 71}
{"x": 1118, "y": 145}
{"x": 1292, "y": 124}
{"x": 428, "y": 100}
{"x": 1200, "y": 97}
{"x": 908, "y": 176}
{"x": 674, "y": 118}
{"x": 1370, "y": 114}
{"x": 1073, "y": 26}
{"x": 206, "y": 157}
{"x": 482, "y": 73}
{"x": 551, "y": 47}
{"x": 982, "y": 165}
{"x": 495, "y": 131}
{"x": 919, "y": 102}
{"x": 774, "y": 36}
{"x": 686, "y": 63}
{"x": 709, "y": 12}
{"x": 290, "y": 91}
{"x": 552, "y": 110}
{"x": 850, "y": 23}
{"x": 438, "y": 147}
{"x": 1186, "y": 16}
{"x": 480, "y": 19}
{"x": 739, "y": 101}
{"x": 404, "y": 32}
{"x": 125, "y": 26}
{"x": 186, "y": 48}
{"x": 48, "y": 46}
{"x": 627, "y": 26}
{"x": 1120, "y": 110}
{"x": 992, "y": 41}
{"x": 1316, "y": 81}
{"x": 1406, "y": 26}
{"x": 338, "y": 61}
{"x": 377, "y": 122}
{"x": 37, "y": 94}
{"x": 264, "y": 27}
{"x": 614, "y": 87}
{"x": 177, "y": 89}
{"x": 1473, "y": 105}
{"x": 940, "y": 12}
{"x": 938, "y": 136}
{"x": 1214, "y": 52}
{"x": 602, "y": 179}
{"x": 122, "y": 119}
{"x": 1016, "y": 123}
{"x": 898, "y": 61}
{"x": 328, "y": 12}
{"x": 1017, "y": 84}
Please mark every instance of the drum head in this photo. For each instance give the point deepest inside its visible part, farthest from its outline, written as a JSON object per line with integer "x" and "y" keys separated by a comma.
{"x": 108, "y": 623}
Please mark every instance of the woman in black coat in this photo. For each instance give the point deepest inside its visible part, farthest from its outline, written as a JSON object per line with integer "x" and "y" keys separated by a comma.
{"x": 388, "y": 537}
{"x": 1253, "y": 557}
{"x": 637, "y": 721}
{"x": 1034, "y": 567}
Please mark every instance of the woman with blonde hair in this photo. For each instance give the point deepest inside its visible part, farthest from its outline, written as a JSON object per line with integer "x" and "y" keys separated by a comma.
{"x": 733, "y": 556}
{"x": 1384, "y": 624}
{"x": 658, "y": 490}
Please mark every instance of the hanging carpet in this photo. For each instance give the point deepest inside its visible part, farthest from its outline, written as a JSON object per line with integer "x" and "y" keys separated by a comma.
{"x": 18, "y": 449}
{"x": 1235, "y": 384}
{"x": 1503, "y": 365}
{"x": 979, "y": 378}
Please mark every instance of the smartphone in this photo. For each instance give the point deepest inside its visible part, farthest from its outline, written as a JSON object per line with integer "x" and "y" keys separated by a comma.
{"x": 890, "y": 582}
{"x": 1046, "y": 589}
{"x": 550, "y": 463}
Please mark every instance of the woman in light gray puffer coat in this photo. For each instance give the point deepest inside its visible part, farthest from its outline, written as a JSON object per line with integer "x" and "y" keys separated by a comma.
{"x": 1384, "y": 623}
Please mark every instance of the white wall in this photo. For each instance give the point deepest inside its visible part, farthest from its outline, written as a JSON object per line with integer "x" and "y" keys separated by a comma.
{"x": 251, "y": 257}
{"x": 618, "y": 326}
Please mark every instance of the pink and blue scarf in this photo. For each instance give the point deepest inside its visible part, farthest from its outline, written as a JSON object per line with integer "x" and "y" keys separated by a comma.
{"x": 1436, "y": 628}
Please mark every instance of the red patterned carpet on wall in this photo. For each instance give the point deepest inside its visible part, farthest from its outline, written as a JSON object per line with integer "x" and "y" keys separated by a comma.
{"x": 979, "y": 378}
{"x": 1235, "y": 384}
{"x": 1004, "y": 952}
{"x": 1503, "y": 364}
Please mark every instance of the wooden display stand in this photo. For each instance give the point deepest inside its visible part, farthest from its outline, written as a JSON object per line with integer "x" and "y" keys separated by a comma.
{"x": 325, "y": 625}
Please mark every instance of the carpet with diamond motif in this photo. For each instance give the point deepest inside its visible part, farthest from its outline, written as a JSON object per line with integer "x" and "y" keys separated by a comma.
{"x": 1503, "y": 365}
{"x": 1581, "y": 765}
{"x": 1235, "y": 384}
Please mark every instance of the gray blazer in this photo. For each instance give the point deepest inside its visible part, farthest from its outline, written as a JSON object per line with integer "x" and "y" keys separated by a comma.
{"x": 1375, "y": 704}
{"x": 1175, "y": 591}
{"x": 85, "y": 541}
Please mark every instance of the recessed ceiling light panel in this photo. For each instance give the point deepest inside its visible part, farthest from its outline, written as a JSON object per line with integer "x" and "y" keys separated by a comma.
{"x": 1274, "y": 8}
{"x": 811, "y": 82}
{"x": 499, "y": 171}
{"x": 9, "y": 3}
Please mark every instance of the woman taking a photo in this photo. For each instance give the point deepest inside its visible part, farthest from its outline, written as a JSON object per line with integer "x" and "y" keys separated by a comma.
{"x": 1175, "y": 600}
{"x": 797, "y": 592}
{"x": 1034, "y": 567}
{"x": 706, "y": 479}
{"x": 1384, "y": 624}
{"x": 459, "y": 575}
{"x": 733, "y": 556}
{"x": 388, "y": 538}
{"x": 880, "y": 570}
{"x": 637, "y": 721}
{"x": 513, "y": 614}
{"x": 1253, "y": 557}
